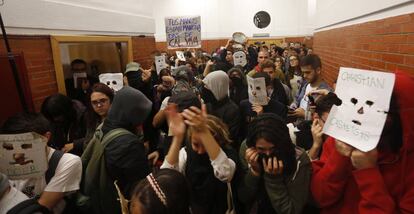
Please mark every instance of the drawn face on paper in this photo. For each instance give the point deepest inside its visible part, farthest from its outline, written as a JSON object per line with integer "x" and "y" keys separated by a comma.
{"x": 239, "y": 58}
{"x": 23, "y": 155}
{"x": 113, "y": 80}
{"x": 19, "y": 154}
{"x": 160, "y": 63}
{"x": 361, "y": 107}
{"x": 257, "y": 91}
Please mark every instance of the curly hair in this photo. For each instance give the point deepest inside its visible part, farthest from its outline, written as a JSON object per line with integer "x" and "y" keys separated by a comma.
{"x": 218, "y": 129}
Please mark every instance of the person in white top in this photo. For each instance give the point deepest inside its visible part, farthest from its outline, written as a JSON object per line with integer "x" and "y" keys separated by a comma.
{"x": 207, "y": 160}
{"x": 68, "y": 172}
{"x": 9, "y": 196}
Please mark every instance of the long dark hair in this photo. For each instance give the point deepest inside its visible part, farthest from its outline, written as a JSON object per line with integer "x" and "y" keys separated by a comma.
{"x": 272, "y": 128}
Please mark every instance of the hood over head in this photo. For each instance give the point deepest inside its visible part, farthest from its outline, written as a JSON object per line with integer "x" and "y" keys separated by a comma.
{"x": 218, "y": 83}
{"x": 129, "y": 108}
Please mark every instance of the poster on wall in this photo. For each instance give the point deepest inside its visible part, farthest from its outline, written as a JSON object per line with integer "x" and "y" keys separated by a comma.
{"x": 359, "y": 120}
{"x": 23, "y": 155}
{"x": 183, "y": 32}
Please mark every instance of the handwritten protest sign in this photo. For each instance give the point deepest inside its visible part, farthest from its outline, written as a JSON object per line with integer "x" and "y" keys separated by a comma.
{"x": 113, "y": 80}
{"x": 23, "y": 155}
{"x": 257, "y": 90}
{"x": 183, "y": 32}
{"x": 160, "y": 63}
{"x": 365, "y": 99}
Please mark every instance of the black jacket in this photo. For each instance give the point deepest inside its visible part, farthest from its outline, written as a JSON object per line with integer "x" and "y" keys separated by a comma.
{"x": 125, "y": 156}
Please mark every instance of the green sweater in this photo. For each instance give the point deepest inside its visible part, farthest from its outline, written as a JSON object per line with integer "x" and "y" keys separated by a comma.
{"x": 286, "y": 195}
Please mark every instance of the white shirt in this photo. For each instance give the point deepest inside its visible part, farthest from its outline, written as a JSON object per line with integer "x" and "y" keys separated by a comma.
{"x": 11, "y": 199}
{"x": 223, "y": 166}
{"x": 67, "y": 178}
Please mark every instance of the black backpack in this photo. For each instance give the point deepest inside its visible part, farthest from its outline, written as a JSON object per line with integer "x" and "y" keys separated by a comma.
{"x": 31, "y": 205}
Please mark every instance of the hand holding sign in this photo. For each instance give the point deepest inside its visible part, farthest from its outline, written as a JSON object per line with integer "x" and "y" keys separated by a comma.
{"x": 361, "y": 117}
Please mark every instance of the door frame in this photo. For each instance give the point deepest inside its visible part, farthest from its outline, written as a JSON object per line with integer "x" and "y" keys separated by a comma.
{"x": 57, "y": 40}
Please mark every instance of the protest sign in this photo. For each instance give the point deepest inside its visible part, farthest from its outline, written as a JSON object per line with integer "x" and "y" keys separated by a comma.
{"x": 180, "y": 55}
{"x": 78, "y": 78}
{"x": 114, "y": 80}
{"x": 183, "y": 32}
{"x": 239, "y": 58}
{"x": 365, "y": 99}
{"x": 160, "y": 63}
{"x": 257, "y": 90}
{"x": 23, "y": 155}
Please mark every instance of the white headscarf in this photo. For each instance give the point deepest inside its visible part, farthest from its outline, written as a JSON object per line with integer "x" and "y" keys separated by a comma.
{"x": 218, "y": 83}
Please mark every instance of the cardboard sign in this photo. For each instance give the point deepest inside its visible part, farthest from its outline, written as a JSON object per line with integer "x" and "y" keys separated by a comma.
{"x": 160, "y": 63}
{"x": 180, "y": 55}
{"x": 78, "y": 78}
{"x": 114, "y": 80}
{"x": 183, "y": 32}
{"x": 257, "y": 90}
{"x": 239, "y": 58}
{"x": 23, "y": 155}
{"x": 366, "y": 97}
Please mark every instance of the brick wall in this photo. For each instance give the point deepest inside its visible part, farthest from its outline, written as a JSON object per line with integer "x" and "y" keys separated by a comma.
{"x": 211, "y": 45}
{"x": 37, "y": 52}
{"x": 383, "y": 45}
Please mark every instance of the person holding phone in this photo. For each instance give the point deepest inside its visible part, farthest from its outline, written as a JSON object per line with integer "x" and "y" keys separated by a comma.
{"x": 276, "y": 172}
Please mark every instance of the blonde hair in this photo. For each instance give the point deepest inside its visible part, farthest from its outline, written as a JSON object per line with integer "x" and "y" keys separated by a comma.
{"x": 217, "y": 128}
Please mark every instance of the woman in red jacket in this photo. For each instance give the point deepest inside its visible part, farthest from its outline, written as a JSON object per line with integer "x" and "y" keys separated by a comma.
{"x": 346, "y": 180}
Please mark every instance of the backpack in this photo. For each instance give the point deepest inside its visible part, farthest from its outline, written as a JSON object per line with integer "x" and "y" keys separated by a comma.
{"x": 97, "y": 192}
{"x": 31, "y": 205}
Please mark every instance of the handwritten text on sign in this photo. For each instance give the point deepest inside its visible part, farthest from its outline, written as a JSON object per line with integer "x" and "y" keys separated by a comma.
{"x": 366, "y": 97}
{"x": 183, "y": 32}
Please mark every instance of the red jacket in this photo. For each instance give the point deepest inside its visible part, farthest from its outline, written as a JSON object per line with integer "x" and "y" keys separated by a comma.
{"x": 388, "y": 188}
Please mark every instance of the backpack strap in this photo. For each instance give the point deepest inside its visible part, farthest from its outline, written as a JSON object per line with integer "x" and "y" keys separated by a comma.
{"x": 53, "y": 163}
{"x": 111, "y": 135}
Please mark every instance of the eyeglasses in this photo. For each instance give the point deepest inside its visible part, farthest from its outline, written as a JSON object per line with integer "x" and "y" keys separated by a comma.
{"x": 100, "y": 102}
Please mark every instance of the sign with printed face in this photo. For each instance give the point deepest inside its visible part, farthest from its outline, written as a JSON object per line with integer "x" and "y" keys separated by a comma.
{"x": 114, "y": 80}
{"x": 239, "y": 58}
{"x": 78, "y": 78}
{"x": 23, "y": 155}
{"x": 160, "y": 63}
{"x": 257, "y": 90}
{"x": 366, "y": 97}
{"x": 183, "y": 32}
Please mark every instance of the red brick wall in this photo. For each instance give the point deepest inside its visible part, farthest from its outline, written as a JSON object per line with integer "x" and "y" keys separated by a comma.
{"x": 37, "y": 52}
{"x": 211, "y": 45}
{"x": 206, "y": 45}
{"x": 383, "y": 45}
{"x": 142, "y": 48}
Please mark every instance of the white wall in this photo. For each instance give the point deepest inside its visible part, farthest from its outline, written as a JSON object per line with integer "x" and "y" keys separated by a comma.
{"x": 338, "y": 13}
{"x": 97, "y": 17}
{"x": 219, "y": 19}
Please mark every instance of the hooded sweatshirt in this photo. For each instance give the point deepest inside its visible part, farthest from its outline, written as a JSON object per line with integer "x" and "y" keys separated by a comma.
{"x": 125, "y": 156}
{"x": 387, "y": 188}
{"x": 216, "y": 96}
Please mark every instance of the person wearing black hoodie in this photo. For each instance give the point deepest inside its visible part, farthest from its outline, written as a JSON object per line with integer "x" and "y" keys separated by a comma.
{"x": 125, "y": 156}
{"x": 238, "y": 85}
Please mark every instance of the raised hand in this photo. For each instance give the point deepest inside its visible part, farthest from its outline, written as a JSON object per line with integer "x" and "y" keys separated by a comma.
{"x": 343, "y": 148}
{"x": 196, "y": 118}
{"x": 364, "y": 160}
{"x": 175, "y": 121}
{"x": 252, "y": 157}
